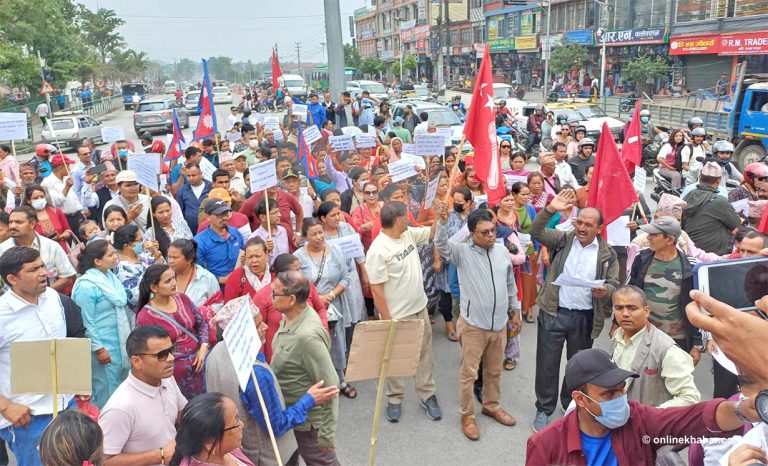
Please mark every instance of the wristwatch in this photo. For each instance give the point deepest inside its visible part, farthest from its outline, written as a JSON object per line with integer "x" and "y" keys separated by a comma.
{"x": 761, "y": 405}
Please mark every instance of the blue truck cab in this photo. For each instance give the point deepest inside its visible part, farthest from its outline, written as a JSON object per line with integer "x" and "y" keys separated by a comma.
{"x": 748, "y": 120}
{"x": 128, "y": 91}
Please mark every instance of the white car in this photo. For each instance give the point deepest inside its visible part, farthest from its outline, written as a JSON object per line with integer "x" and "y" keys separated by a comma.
{"x": 69, "y": 129}
{"x": 190, "y": 101}
{"x": 376, "y": 89}
{"x": 222, "y": 95}
{"x": 438, "y": 114}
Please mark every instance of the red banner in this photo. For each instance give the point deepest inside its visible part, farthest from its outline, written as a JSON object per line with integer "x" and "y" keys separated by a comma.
{"x": 694, "y": 45}
{"x": 746, "y": 43}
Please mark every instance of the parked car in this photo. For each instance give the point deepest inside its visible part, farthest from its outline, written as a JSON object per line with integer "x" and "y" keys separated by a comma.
{"x": 190, "y": 101}
{"x": 71, "y": 128}
{"x": 586, "y": 113}
{"x": 440, "y": 115}
{"x": 169, "y": 87}
{"x": 155, "y": 114}
{"x": 376, "y": 89}
{"x": 222, "y": 95}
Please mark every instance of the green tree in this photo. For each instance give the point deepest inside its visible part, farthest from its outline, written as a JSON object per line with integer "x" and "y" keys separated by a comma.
{"x": 130, "y": 63}
{"x": 372, "y": 66}
{"x": 409, "y": 63}
{"x": 395, "y": 68}
{"x": 640, "y": 68}
{"x": 100, "y": 31}
{"x": 185, "y": 69}
{"x": 352, "y": 56}
{"x": 564, "y": 58}
{"x": 221, "y": 68}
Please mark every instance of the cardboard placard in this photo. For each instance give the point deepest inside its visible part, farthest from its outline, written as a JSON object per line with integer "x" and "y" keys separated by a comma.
{"x": 512, "y": 179}
{"x": 414, "y": 159}
{"x": 113, "y": 133}
{"x": 429, "y": 197}
{"x": 13, "y": 126}
{"x": 350, "y": 246}
{"x": 365, "y": 140}
{"x": 430, "y": 144}
{"x": 640, "y": 179}
{"x": 147, "y": 168}
{"x": 340, "y": 143}
{"x": 300, "y": 111}
{"x": 312, "y": 134}
{"x": 243, "y": 342}
{"x": 32, "y": 370}
{"x": 263, "y": 175}
{"x": 368, "y": 345}
{"x": 447, "y": 134}
{"x": 401, "y": 170}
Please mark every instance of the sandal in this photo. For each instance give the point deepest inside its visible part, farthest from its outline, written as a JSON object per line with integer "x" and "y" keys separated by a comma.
{"x": 349, "y": 391}
{"x": 509, "y": 364}
{"x": 530, "y": 318}
{"x": 452, "y": 336}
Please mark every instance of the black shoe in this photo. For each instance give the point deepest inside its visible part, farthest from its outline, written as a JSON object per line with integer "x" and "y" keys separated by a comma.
{"x": 394, "y": 412}
{"x": 478, "y": 393}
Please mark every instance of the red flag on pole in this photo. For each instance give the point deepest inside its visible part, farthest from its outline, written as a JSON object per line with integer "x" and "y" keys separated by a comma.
{"x": 480, "y": 130}
{"x": 276, "y": 72}
{"x": 611, "y": 189}
{"x": 632, "y": 149}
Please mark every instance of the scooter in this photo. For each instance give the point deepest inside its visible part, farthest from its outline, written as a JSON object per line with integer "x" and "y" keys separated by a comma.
{"x": 628, "y": 103}
{"x": 663, "y": 186}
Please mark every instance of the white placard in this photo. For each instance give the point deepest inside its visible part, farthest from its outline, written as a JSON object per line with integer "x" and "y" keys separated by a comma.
{"x": 243, "y": 343}
{"x": 13, "y": 126}
{"x": 741, "y": 207}
{"x": 640, "y": 179}
{"x": 447, "y": 134}
{"x": 263, "y": 175}
{"x": 234, "y": 137}
{"x": 113, "y": 133}
{"x": 566, "y": 280}
{"x": 365, "y": 140}
{"x": 371, "y": 130}
{"x": 429, "y": 197}
{"x": 525, "y": 240}
{"x": 460, "y": 235}
{"x": 273, "y": 123}
{"x": 259, "y": 118}
{"x": 512, "y": 179}
{"x": 300, "y": 111}
{"x": 401, "y": 170}
{"x": 147, "y": 168}
{"x": 163, "y": 181}
{"x": 480, "y": 200}
{"x": 340, "y": 143}
{"x": 312, "y": 134}
{"x": 565, "y": 226}
{"x": 414, "y": 159}
{"x": 350, "y": 246}
{"x": 618, "y": 231}
{"x": 409, "y": 148}
{"x": 430, "y": 144}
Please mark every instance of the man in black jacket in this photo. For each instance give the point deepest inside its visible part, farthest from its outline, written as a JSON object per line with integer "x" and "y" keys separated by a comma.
{"x": 666, "y": 276}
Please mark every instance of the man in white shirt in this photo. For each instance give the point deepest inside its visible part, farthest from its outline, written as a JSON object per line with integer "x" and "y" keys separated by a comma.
{"x": 135, "y": 205}
{"x": 43, "y": 112}
{"x": 60, "y": 188}
{"x": 423, "y": 127}
{"x": 232, "y": 118}
{"x": 21, "y": 227}
{"x": 29, "y": 311}
{"x": 562, "y": 168}
{"x": 394, "y": 272}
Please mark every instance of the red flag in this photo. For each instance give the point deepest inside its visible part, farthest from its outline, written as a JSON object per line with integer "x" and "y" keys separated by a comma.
{"x": 304, "y": 155}
{"x": 176, "y": 146}
{"x": 611, "y": 189}
{"x": 276, "y": 72}
{"x": 763, "y": 227}
{"x": 206, "y": 125}
{"x": 480, "y": 130}
{"x": 632, "y": 149}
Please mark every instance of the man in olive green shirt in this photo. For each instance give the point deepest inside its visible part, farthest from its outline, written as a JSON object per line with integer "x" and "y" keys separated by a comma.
{"x": 301, "y": 357}
{"x": 401, "y": 132}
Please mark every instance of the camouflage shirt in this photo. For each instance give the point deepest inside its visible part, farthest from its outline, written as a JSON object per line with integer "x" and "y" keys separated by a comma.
{"x": 662, "y": 287}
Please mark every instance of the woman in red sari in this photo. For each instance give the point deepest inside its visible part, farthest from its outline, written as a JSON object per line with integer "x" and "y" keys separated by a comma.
{"x": 161, "y": 304}
{"x": 51, "y": 221}
{"x": 254, "y": 276}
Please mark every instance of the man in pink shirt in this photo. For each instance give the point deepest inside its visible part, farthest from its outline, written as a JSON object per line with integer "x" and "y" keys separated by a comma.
{"x": 139, "y": 419}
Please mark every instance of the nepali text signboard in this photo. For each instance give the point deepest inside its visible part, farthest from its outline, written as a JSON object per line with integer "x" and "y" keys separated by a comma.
{"x": 634, "y": 37}
{"x": 694, "y": 45}
{"x": 745, "y": 43}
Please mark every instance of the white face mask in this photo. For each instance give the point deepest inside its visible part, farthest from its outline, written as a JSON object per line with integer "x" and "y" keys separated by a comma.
{"x": 39, "y": 204}
{"x": 253, "y": 144}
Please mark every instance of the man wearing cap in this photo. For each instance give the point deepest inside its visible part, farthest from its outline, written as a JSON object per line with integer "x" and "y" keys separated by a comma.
{"x": 607, "y": 429}
{"x": 60, "y": 188}
{"x": 219, "y": 245}
{"x": 237, "y": 220}
{"x": 135, "y": 205}
{"x": 237, "y": 177}
{"x": 401, "y": 132}
{"x": 665, "y": 274}
{"x": 192, "y": 194}
{"x": 108, "y": 191}
{"x": 709, "y": 218}
{"x": 552, "y": 182}
{"x": 584, "y": 159}
{"x": 666, "y": 371}
{"x": 292, "y": 185}
{"x": 146, "y": 142}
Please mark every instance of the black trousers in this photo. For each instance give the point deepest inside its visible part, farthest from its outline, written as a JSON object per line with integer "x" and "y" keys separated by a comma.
{"x": 443, "y": 305}
{"x": 571, "y": 327}
{"x": 726, "y": 382}
{"x": 533, "y": 139}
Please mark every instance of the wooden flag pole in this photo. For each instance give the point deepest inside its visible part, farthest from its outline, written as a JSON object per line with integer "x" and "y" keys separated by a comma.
{"x": 454, "y": 170}
{"x": 269, "y": 224}
{"x": 380, "y": 389}
{"x": 266, "y": 418}
{"x": 54, "y": 380}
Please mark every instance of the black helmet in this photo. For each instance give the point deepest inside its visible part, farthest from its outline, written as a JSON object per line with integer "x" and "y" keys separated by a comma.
{"x": 580, "y": 129}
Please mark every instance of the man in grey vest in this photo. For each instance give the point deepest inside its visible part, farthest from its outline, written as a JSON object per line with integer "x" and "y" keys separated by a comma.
{"x": 666, "y": 371}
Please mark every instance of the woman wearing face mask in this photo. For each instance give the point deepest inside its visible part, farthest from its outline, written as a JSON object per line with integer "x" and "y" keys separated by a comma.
{"x": 354, "y": 198}
{"x": 134, "y": 256}
{"x": 167, "y": 228}
{"x": 51, "y": 221}
{"x": 107, "y": 319}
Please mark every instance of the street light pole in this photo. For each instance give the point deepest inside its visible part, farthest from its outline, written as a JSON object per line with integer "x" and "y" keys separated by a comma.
{"x": 545, "y": 87}
{"x": 604, "y": 28}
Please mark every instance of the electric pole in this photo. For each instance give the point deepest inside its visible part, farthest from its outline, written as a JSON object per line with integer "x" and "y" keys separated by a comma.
{"x": 336, "y": 79}
{"x": 322, "y": 44}
{"x": 298, "y": 56}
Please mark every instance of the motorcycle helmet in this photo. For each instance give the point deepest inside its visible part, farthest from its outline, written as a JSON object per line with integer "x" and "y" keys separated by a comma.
{"x": 44, "y": 150}
{"x": 502, "y": 103}
{"x": 539, "y": 107}
{"x": 755, "y": 170}
{"x": 698, "y": 132}
{"x": 586, "y": 142}
{"x": 562, "y": 119}
{"x": 695, "y": 121}
{"x": 580, "y": 129}
{"x": 645, "y": 113}
{"x": 722, "y": 146}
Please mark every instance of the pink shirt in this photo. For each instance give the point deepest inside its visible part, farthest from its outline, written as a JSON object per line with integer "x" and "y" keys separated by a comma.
{"x": 139, "y": 417}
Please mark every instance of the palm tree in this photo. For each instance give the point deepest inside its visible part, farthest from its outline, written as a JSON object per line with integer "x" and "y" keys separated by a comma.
{"x": 100, "y": 31}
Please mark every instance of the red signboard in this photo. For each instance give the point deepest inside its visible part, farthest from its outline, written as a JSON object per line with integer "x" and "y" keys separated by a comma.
{"x": 694, "y": 45}
{"x": 746, "y": 43}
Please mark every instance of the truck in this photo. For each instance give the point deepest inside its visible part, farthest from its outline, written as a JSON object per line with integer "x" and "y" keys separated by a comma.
{"x": 744, "y": 123}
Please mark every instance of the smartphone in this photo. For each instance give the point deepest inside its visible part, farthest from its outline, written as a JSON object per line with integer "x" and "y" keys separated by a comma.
{"x": 738, "y": 283}
{"x": 98, "y": 169}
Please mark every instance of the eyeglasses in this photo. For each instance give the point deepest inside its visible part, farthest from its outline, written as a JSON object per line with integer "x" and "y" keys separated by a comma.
{"x": 160, "y": 355}
{"x": 761, "y": 178}
{"x": 274, "y": 295}
{"x": 370, "y": 193}
{"x": 489, "y": 232}
{"x": 239, "y": 423}
{"x": 504, "y": 146}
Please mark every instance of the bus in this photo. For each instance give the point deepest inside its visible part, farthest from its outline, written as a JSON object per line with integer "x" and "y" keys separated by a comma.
{"x": 129, "y": 89}
{"x": 319, "y": 77}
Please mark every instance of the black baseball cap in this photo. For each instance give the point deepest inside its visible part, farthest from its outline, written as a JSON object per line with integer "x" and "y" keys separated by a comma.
{"x": 217, "y": 207}
{"x": 594, "y": 366}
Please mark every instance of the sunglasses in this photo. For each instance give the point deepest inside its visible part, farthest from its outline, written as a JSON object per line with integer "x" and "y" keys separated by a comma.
{"x": 504, "y": 146}
{"x": 489, "y": 232}
{"x": 371, "y": 193}
{"x": 761, "y": 178}
{"x": 160, "y": 355}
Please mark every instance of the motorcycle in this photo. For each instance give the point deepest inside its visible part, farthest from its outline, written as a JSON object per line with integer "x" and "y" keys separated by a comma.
{"x": 663, "y": 186}
{"x": 628, "y": 103}
{"x": 264, "y": 105}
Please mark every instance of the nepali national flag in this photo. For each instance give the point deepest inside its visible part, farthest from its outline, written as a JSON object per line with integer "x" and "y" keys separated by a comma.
{"x": 480, "y": 130}
{"x": 632, "y": 149}
{"x": 305, "y": 156}
{"x": 276, "y": 71}
{"x": 177, "y": 145}
{"x": 611, "y": 190}
{"x": 206, "y": 125}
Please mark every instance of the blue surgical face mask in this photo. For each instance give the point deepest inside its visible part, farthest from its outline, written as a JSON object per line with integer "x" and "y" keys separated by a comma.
{"x": 615, "y": 412}
{"x": 644, "y": 119}
{"x": 361, "y": 185}
{"x": 138, "y": 248}
{"x": 122, "y": 152}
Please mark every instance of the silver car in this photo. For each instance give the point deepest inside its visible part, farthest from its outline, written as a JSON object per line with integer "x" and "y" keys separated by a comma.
{"x": 190, "y": 101}
{"x": 155, "y": 114}
{"x": 71, "y": 129}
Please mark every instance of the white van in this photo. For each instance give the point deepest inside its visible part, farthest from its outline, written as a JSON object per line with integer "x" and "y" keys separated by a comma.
{"x": 169, "y": 87}
{"x": 296, "y": 85}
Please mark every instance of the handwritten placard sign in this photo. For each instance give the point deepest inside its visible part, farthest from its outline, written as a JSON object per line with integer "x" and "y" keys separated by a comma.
{"x": 300, "y": 110}
{"x": 13, "y": 126}
{"x": 430, "y": 144}
{"x": 272, "y": 123}
{"x": 350, "y": 246}
{"x": 112, "y": 133}
{"x": 365, "y": 140}
{"x": 147, "y": 168}
{"x": 447, "y": 134}
{"x": 233, "y": 137}
{"x": 243, "y": 342}
{"x": 312, "y": 134}
{"x": 401, "y": 170}
{"x": 429, "y": 198}
{"x": 263, "y": 175}
{"x": 340, "y": 143}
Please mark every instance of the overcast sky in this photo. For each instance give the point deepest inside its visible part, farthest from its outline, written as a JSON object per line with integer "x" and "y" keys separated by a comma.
{"x": 243, "y": 30}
